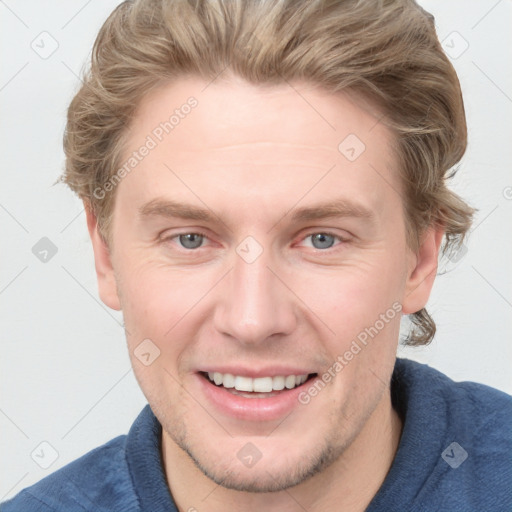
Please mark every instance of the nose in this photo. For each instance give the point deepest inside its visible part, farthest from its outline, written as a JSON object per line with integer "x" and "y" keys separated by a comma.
{"x": 253, "y": 303}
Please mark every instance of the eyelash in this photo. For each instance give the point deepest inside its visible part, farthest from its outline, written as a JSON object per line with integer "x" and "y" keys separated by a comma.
{"x": 340, "y": 239}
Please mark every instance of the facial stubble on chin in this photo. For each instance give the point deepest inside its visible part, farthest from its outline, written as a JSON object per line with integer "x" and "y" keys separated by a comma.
{"x": 266, "y": 480}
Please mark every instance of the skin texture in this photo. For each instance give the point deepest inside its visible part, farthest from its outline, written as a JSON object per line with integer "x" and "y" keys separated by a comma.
{"x": 252, "y": 156}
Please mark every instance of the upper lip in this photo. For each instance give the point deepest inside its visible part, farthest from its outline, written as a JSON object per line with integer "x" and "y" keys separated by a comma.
{"x": 252, "y": 372}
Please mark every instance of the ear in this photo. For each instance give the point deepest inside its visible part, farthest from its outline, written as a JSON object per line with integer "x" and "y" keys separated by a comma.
{"x": 422, "y": 271}
{"x": 107, "y": 286}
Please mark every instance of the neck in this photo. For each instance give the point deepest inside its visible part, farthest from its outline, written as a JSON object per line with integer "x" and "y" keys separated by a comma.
{"x": 349, "y": 484}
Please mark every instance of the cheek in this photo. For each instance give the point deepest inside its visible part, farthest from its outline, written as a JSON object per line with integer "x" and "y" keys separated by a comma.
{"x": 153, "y": 310}
{"x": 157, "y": 301}
{"x": 148, "y": 299}
{"x": 353, "y": 297}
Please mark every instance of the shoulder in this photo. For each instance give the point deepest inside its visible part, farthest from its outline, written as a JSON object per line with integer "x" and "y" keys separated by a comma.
{"x": 479, "y": 405}
{"x": 463, "y": 430}
{"x": 99, "y": 481}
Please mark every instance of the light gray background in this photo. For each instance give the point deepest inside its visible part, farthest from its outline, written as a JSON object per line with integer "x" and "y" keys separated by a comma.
{"x": 65, "y": 372}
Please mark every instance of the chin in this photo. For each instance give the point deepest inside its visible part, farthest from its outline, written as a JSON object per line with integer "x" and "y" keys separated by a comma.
{"x": 272, "y": 473}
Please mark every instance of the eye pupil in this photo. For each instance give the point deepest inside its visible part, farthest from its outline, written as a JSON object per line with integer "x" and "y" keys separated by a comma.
{"x": 195, "y": 240}
{"x": 322, "y": 241}
{"x": 191, "y": 240}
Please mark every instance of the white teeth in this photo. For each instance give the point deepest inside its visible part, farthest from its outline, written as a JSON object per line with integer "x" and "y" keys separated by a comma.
{"x": 228, "y": 380}
{"x": 243, "y": 383}
{"x": 262, "y": 385}
{"x": 278, "y": 383}
{"x": 257, "y": 385}
{"x": 289, "y": 382}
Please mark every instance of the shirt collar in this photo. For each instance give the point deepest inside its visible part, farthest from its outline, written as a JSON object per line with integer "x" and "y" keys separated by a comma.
{"x": 143, "y": 454}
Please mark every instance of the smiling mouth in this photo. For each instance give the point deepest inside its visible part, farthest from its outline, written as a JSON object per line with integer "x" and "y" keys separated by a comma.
{"x": 261, "y": 387}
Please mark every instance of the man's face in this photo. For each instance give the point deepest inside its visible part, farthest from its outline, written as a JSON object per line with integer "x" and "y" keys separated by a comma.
{"x": 247, "y": 243}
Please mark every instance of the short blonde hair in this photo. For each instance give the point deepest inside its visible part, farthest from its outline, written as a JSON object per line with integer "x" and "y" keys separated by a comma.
{"x": 385, "y": 51}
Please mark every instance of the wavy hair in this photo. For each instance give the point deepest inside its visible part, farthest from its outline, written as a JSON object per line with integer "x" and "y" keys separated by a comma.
{"x": 385, "y": 51}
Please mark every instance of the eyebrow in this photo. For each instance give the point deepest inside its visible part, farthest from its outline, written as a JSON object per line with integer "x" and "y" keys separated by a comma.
{"x": 165, "y": 208}
{"x": 160, "y": 207}
{"x": 337, "y": 208}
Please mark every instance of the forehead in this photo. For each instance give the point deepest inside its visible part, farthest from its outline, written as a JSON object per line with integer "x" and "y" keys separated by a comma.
{"x": 272, "y": 144}
{"x": 230, "y": 111}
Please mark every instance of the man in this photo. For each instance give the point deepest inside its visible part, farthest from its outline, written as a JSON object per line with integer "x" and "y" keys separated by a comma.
{"x": 265, "y": 191}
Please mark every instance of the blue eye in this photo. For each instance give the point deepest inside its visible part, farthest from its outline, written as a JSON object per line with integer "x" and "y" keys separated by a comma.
{"x": 191, "y": 240}
{"x": 319, "y": 240}
{"x": 322, "y": 240}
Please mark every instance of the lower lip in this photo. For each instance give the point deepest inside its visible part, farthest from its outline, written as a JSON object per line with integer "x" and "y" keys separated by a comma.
{"x": 252, "y": 409}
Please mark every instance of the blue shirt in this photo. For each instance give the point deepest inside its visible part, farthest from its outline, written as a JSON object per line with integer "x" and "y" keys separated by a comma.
{"x": 455, "y": 455}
